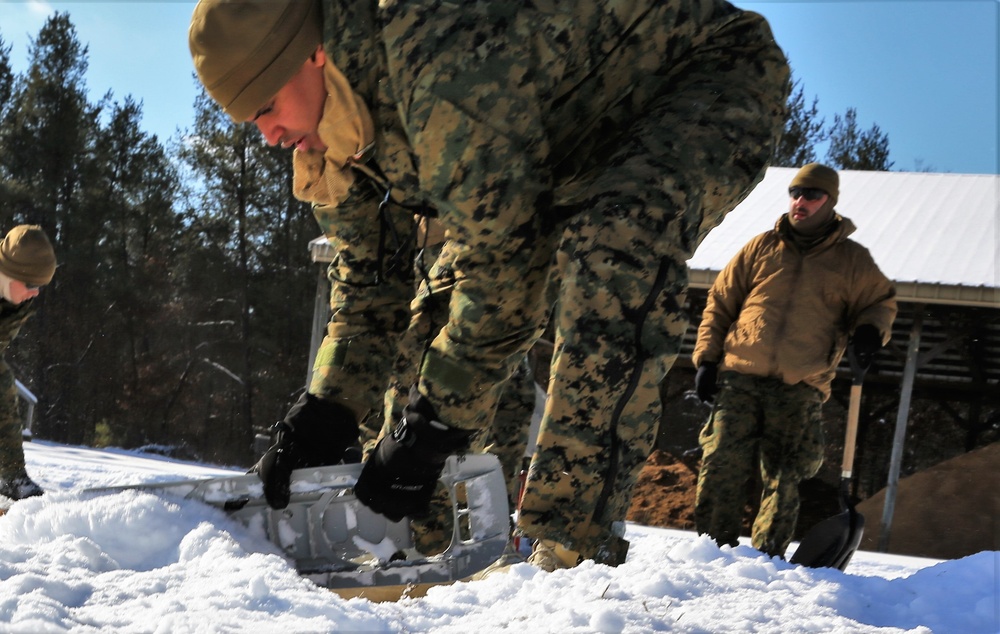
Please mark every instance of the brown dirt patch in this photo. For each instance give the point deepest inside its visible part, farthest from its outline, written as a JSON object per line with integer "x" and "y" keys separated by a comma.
{"x": 948, "y": 511}
{"x": 665, "y": 492}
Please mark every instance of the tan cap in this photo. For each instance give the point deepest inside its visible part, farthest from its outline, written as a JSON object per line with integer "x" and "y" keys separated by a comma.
{"x": 26, "y": 255}
{"x": 245, "y": 51}
{"x": 819, "y": 176}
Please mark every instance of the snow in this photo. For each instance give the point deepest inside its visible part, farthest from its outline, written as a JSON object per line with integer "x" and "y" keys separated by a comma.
{"x": 79, "y": 561}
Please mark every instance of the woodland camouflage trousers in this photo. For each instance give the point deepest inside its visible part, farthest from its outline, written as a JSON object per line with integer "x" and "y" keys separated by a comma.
{"x": 766, "y": 422}
{"x": 506, "y": 437}
{"x": 619, "y": 291}
{"x": 11, "y": 447}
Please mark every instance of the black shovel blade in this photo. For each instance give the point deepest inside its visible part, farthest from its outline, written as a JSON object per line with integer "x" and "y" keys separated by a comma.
{"x": 832, "y": 542}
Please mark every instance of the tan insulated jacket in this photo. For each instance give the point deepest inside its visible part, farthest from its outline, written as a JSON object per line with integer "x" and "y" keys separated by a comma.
{"x": 774, "y": 311}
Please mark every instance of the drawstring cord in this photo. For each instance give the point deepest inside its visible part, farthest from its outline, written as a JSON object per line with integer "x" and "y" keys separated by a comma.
{"x": 380, "y": 183}
{"x": 391, "y": 265}
{"x": 386, "y": 226}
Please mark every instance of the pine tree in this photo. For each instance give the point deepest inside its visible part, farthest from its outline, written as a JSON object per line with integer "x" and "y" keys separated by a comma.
{"x": 854, "y": 149}
{"x": 6, "y": 77}
{"x": 6, "y": 89}
{"x": 105, "y": 196}
{"x": 134, "y": 254}
{"x": 256, "y": 235}
{"x": 804, "y": 129}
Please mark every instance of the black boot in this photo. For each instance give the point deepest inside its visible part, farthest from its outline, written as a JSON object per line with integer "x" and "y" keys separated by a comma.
{"x": 19, "y": 487}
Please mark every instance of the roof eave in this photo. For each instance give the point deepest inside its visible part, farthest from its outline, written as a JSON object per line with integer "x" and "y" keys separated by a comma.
{"x": 914, "y": 292}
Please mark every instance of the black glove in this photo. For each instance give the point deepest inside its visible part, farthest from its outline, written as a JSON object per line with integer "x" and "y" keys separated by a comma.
{"x": 400, "y": 476}
{"x": 705, "y": 382}
{"x": 314, "y": 433}
{"x": 864, "y": 345}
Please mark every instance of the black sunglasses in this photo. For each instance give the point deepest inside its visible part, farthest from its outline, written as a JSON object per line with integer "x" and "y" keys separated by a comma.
{"x": 809, "y": 193}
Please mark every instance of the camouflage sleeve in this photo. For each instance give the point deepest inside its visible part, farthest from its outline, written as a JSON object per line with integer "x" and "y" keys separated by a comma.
{"x": 11, "y": 453}
{"x": 371, "y": 285}
{"x": 481, "y": 164}
{"x": 11, "y": 319}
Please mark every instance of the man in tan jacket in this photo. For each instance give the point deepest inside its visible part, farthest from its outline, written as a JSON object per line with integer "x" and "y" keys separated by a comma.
{"x": 776, "y": 325}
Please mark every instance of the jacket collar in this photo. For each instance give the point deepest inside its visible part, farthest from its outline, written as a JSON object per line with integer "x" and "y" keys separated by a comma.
{"x": 845, "y": 227}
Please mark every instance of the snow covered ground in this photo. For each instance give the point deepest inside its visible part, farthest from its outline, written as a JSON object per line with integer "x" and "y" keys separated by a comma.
{"x": 132, "y": 562}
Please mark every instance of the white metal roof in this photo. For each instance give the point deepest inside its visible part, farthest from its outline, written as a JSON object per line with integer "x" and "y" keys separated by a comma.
{"x": 935, "y": 235}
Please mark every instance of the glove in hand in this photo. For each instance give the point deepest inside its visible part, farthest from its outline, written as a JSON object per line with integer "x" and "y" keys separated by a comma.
{"x": 706, "y": 381}
{"x": 400, "y": 476}
{"x": 315, "y": 432}
{"x": 864, "y": 345}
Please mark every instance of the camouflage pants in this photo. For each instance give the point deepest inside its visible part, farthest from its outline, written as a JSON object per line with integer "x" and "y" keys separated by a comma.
{"x": 764, "y": 420}
{"x": 11, "y": 447}
{"x": 620, "y": 286}
{"x": 507, "y": 435}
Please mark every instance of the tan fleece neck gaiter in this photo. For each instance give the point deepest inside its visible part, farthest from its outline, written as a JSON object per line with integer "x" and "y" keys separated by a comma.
{"x": 347, "y": 130}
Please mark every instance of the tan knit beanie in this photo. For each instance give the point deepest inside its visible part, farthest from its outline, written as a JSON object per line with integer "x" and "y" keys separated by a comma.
{"x": 821, "y": 177}
{"x": 245, "y": 51}
{"x": 27, "y": 255}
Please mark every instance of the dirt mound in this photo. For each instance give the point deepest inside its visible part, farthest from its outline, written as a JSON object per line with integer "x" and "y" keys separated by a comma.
{"x": 948, "y": 511}
{"x": 664, "y": 494}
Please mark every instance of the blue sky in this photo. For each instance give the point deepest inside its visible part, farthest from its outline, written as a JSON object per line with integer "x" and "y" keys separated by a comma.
{"x": 924, "y": 71}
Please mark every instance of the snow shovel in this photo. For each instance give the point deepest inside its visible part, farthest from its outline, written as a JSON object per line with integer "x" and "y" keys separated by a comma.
{"x": 832, "y": 542}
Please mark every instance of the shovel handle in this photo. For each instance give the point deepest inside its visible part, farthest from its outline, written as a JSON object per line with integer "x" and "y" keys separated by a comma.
{"x": 853, "y": 414}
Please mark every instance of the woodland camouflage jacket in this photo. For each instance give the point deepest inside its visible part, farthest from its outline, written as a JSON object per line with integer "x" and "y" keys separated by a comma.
{"x": 494, "y": 116}
{"x": 12, "y": 317}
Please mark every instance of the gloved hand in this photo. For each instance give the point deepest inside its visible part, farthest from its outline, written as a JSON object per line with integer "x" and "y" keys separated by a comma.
{"x": 400, "y": 476}
{"x": 314, "y": 433}
{"x": 706, "y": 381}
{"x": 864, "y": 345}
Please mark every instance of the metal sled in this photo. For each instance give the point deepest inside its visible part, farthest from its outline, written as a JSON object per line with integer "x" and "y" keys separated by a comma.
{"x": 340, "y": 544}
